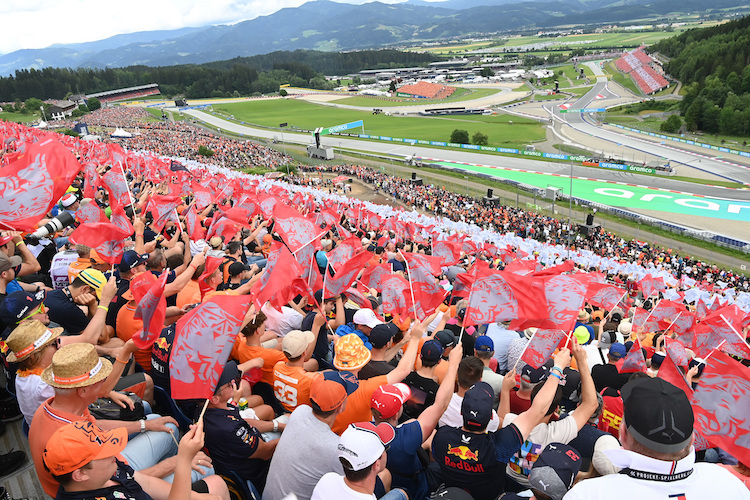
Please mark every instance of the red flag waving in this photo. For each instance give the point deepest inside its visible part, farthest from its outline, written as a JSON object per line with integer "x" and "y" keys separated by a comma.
{"x": 395, "y": 290}
{"x": 161, "y": 208}
{"x": 522, "y": 267}
{"x": 541, "y": 346}
{"x": 373, "y": 276}
{"x": 721, "y": 404}
{"x": 448, "y": 252}
{"x": 202, "y": 195}
{"x": 89, "y": 213}
{"x": 346, "y": 275}
{"x": 104, "y": 237}
{"x": 503, "y": 296}
{"x": 119, "y": 219}
{"x": 280, "y": 271}
{"x": 651, "y": 285}
{"x": 663, "y": 314}
{"x": 605, "y": 295}
{"x": 726, "y": 323}
{"x": 117, "y": 186}
{"x": 152, "y": 309}
{"x": 33, "y": 183}
{"x": 670, "y": 372}
{"x": 428, "y": 294}
{"x": 344, "y": 251}
{"x": 224, "y": 227}
{"x": 193, "y": 225}
{"x": 634, "y": 361}
{"x": 564, "y": 295}
{"x": 294, "y": 229}
{"x": 203, "y": 340}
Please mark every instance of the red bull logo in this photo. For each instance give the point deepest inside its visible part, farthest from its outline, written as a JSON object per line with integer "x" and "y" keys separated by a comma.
{"x": 463, "y": 452}
{"x": 162, "y": 343}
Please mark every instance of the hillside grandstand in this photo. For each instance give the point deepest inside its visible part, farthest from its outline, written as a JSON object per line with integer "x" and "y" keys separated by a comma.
{"x": 127, "y": 93}
{"x": 640, "y": 67}
{"x": 427, "y": 90}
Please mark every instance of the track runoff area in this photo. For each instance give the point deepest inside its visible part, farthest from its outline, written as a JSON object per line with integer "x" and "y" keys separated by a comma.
{"x": 615, "y": 194}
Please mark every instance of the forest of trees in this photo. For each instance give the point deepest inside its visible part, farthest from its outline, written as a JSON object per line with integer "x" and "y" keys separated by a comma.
{"x": 239, "y": 76}
{"x": 714, "y": 65}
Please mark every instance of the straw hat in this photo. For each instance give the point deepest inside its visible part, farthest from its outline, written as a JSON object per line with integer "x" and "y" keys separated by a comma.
{"x": 350, "y": 353}
{"x": 28, "y": 337}
{"x": 76, "y": 365}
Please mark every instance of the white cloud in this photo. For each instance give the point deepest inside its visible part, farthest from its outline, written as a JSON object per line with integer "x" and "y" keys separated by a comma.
{"x": 33, "y": 24}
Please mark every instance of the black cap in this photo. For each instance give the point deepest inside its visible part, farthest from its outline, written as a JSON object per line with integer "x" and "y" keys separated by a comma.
{"x": 446, "y": 338}
{"x": 534, "y": 375}
{"x": 237, "y": 268}
{"x": 381, "y": 334}
{"x": 230, "y": 372}
{"x": 476, "y": 408}
{"x": 657, "y": 414}
{"x": 19, "y": 305}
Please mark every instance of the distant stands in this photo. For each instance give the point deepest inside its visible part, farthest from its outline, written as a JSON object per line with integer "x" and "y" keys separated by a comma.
{"x": 128, "y": 93}
{"x": 428, "y": 90}
{"x": 641, "y": 68}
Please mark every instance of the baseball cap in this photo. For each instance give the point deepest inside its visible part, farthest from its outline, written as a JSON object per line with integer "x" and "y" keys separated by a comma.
{"x": 9, "y": 262}
{"x": 476, "y": 408}
{"x": 96, "y": 258}
{"x": 68, "y": 200}
{"x": 657, "y": 414}
{"x": 617, "y": 351}
{"x": 325, "y": 242}
{"x": 389, "y": 398}
{"x": 432, "y": 351}
{"x": 382, "y": 334}
{"x": 229, "y": 373}
{"x": 555, "y": 469}
{"x": 597, "y": 315}
{"x": 131, "y": 259}
{"x": 366, "y": 317}
{"x": 95, "y": 279}
{"x": 350, "y": 353}
{"x": 294, "y": 344}
{"x": 461, "y": 313}
{"x": 534, "y": 375}
{"x": 608, "y": 338}
{"x": 237, "y": 268}
{"x": 329, "y": 389}
{"x": 484, "y": 344}
{"x": 446, "y": 338}
{"x": 657, "y": 359}
{"x": 216, "y": 242}
{"x": 19, "y": 305}
{"x": 75, "y": 444}
{"x": 363, "y": 443}
{"x": 5, "y": 239}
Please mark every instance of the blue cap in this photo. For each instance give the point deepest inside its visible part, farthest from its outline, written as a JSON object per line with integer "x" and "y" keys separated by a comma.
{"x": 484, "y": 344}
{"x": 617, "y": 351}
{"x": 476, "y": 408}
{"x": 131, "y": 259}
{"x": 432, "y": 351}
{"x": 18, "y": 305}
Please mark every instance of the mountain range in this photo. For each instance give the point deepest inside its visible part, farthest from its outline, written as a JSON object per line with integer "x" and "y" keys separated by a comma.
{"x": 331, "y": 26}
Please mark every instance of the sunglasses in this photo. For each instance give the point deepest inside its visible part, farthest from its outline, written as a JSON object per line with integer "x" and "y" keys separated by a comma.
{"x": 41, "y": 310}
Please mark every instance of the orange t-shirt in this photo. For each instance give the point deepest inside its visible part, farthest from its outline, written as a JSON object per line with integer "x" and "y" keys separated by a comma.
{"x": 76, "y": 267}
{"x": 125, "y": 327}
{"x": 45, "y": 422}
{"x": 191, "y": 294}
{"x": 291, "y": 385}
{"x": 358, "y": 404}
{"x": 243, "y": 352}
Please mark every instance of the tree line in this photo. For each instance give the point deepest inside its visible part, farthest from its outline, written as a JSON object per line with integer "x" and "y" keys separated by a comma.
{"x": 239, "y": 76}
{"x": 714, "y": 65}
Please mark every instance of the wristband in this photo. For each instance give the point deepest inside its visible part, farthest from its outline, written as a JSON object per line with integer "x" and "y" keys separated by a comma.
{"x": 20, "y": 243}
{"x": 106, "y": 309}
{"x": 556, "y": 375}
{"x": 123, "y": 361}
{"x": 275, "y": 426}
{"x": 143, "y": 426}
{"x": 557, "y": 369}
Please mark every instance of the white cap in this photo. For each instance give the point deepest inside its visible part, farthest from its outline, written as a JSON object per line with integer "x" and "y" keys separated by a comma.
{"x": 362, "y": 444}
{"x": 68, "y": 200}
{"x": 366, "y": 317}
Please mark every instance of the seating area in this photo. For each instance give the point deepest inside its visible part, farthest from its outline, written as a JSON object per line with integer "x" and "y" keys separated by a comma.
{"x": 638, "y": 65}
{"x": 428, "y": 90}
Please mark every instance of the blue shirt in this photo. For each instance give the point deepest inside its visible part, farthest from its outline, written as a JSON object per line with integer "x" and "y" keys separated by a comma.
{"x": 351, "y": 328}
{"x": 404, "y": 463}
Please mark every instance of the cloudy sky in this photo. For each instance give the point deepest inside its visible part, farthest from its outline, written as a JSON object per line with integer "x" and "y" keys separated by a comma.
{"x": 33, "y": 24}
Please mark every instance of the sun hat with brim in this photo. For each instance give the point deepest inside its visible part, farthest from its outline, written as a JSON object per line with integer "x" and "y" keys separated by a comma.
{"x": 28, "y": 337}
{"x": 78, "y": 443}
{"x": 76, "y": 365}
{"x": 350, "y": 353}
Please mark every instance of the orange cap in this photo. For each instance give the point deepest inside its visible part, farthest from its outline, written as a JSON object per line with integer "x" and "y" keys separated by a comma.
{"x": 74, "y": 445}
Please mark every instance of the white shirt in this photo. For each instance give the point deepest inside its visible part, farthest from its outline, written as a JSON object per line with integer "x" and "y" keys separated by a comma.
{"x": 332, "y": 487}
{"x": 32, "y": 392}
{"x": 452, "y": 416}
{"x": 282, "y": 322}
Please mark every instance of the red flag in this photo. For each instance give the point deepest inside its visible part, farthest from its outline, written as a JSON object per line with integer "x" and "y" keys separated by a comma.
{"x": 449, "y": 253}
{"x": 541, "y": 346}
{"x": 151, "y": 309}
{"x": 358, "y": 298}
{"x": 650, "y": 285}
{"x": 395, "y": 291}
{"x": 224, "y": 227}
{"x": 564, "y": 295}
{"x": 33, "y": 182}
{"x": 117, "y": 186}
{"x": 203, "y": 341}
{"x": 634, "y": 361}
{"x": 604, "y": 295}
{"x": 670, "y": 372}
{"x": 721, "y": 405}
{"x": 193, "y": 225}
{"x": 202, "y": 195}
{"x": 522, "y": 267}
{"x": 676, "y": 349}
{"x": 346, "y": 275}
{"x": 663, "y": 314}
{"x": 161, "y": 208}
{"x": 373, "y": 276}
{"x": 294, "y": 229}
{"x": 280, "y": 271}
{"x": 343, "y": 233}
{"x": 565, "y": 267}
{"x": 725, "y": 324}
{"x": 104, "y": 237}
{"x": 267, "y": 203}
{"x": 119, "y": 219}
{"x": 344, "y": 251}
{"x": 90, "y": 213}
{"x": 462, "y": 284}
{"x": 212, "y": 264}
{"x": 503, "y": 296}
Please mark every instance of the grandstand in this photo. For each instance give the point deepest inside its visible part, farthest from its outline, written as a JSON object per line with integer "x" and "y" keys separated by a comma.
{"x": 127, "y": 93}
{"x": 427, "y": 90}
{"x": 640, "y": 67}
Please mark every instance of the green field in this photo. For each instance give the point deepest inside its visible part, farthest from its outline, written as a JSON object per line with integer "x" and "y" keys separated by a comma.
{"x": 18, "y": 117}
{"x": 307, "y": 116}
{"x": 461, "y": 94}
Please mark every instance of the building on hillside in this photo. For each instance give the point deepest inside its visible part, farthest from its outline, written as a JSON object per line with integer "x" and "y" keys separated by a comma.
{"x": 59, "y": 110}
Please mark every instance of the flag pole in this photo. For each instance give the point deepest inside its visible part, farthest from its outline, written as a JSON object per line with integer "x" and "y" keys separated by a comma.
{"x": 312, "y": 240}
{"x": 569, "y": 336}
{"x": 524, "y": 349}
{"x": 713, "y": 351}
{"x": 670, "y": 326}
{"x": 463, "y": 321}
{"x": 733, "y": 328}
{"x": 411, "y": 288}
